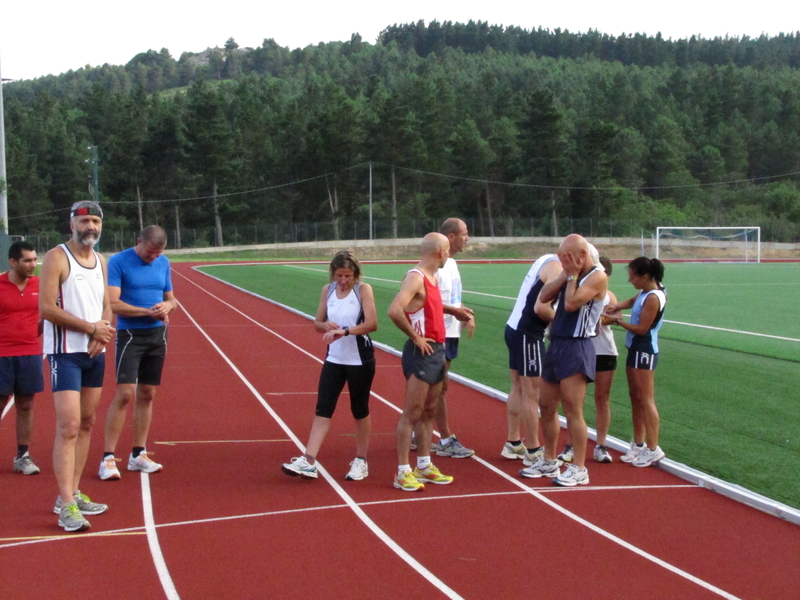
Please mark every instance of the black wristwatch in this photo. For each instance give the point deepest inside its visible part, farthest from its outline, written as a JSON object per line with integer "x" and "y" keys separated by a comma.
{"x": 346, "y": 331}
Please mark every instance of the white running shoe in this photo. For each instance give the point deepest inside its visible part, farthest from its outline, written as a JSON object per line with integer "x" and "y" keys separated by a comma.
{"x": 25, "y": 465}
{"x": 633, "y": 452}
{"x": 567, "y": 454}
{"x": 512, "y": 452}
{"x": 573, "y": 476}
{"x": 108, "y": 469}
{"x": 300, "y": 466}
{"x": 601, "y": 454}
{"x": 648, "y": 457}
{"x": 143, "y": 463}
{"x": 358, "y": 470}
{"x": 542, "y": 468}
{"x": 531, "y": 458}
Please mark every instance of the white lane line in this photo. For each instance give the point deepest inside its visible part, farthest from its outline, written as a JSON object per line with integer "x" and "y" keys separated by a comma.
{"x": 152, "y": 541}
{"x": 520, "y": 484}
{"x": 394, "y": 546}
{"x": 8, "y": 406}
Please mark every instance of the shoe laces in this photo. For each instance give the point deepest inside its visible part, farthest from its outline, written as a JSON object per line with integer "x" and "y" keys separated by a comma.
{"x": 72, "y": 509}
{"x": 146, "y": 456}
{"x": 109, "y": 462}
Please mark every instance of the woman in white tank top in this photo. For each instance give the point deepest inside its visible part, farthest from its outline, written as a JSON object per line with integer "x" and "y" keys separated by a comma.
{"x": 346, "y": 316}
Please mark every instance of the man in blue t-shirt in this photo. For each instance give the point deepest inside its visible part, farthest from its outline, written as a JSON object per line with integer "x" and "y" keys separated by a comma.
{"x": 140, "y": 291}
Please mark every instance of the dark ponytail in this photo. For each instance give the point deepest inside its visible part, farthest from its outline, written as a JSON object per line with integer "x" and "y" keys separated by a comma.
{"x": 648, "y": 266}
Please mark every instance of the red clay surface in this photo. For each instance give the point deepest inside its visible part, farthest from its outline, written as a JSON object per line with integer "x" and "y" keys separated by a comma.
{"x": 231, "y": 524}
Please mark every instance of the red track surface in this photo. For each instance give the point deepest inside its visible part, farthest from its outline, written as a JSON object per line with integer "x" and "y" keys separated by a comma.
{"x": 230, "y": 524}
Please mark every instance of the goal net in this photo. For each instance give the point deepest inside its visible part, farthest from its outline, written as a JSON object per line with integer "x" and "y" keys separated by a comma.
{"x": 709, "y": 244}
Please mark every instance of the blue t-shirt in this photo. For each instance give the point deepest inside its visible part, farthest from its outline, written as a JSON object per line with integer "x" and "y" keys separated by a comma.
{"x": 142, "y": 285}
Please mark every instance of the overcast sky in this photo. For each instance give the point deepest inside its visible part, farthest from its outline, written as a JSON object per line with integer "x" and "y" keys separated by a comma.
{"x": 54, "y": 36}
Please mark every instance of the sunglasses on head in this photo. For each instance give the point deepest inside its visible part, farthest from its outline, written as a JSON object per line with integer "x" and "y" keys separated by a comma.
{"x": 86, "y": 210}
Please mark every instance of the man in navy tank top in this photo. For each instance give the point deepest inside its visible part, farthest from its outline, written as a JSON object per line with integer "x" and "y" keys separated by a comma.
{"x": 570, "y": 361}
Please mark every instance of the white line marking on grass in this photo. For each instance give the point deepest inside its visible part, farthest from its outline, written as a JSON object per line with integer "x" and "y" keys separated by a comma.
{"x": 394, "y": 546}
{"x": 152, "y": 541}
{"x": 764, "y": 335}
{"x": 536, "y": 493}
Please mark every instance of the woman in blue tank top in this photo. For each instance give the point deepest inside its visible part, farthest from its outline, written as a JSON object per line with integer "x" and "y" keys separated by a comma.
{"x": 645, "y": 274}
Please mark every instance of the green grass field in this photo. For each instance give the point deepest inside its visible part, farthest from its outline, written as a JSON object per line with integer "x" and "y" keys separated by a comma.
{"x": 727, "y": 399}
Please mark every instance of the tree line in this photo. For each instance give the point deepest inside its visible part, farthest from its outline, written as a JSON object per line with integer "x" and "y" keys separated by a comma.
{"x": 483, "y": 122}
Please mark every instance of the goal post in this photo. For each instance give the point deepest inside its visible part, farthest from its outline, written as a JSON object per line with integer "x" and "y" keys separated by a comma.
{"x": 709, "y": 244}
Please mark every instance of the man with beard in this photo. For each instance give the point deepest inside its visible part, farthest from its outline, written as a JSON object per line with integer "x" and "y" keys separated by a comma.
{"x": 20, "y": 352}
{"x": 74, "y": 303}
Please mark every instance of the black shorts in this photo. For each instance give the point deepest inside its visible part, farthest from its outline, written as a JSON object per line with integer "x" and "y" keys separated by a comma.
{"x": 641, "y": 360}
{"x": 21, "y": 375}
{"x": 525, "y": 353}
{"x": 451, "y": 348}
{"x": 140, "y": 355}
{"x": 567, "y": 357}
{"x": 331, "y": 383}
{"x": 606, "y": 362}
{"x": 430, "y": 368}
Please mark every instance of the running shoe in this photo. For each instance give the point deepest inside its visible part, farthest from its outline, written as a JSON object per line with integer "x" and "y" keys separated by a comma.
{"x": 542, "y": 468}
{"x": 432, "y": 475}
{"x": 601, "y": 454}
{"x": 108, "y": 469}
{"x": 512, "y": 452}
{"x": 633, "y": 452}
{"x": 71, "y": 519}
{"x": 568, "y": 454}
{"x": 25, "y": 465}
{"x": 358, "y": 470}
{"x": 453, "y": 449}
{"x": 531, "y": 458}
{"x": 573, "y": 476}
{"x": 143, "y": 463}
{"x": 300, "y": 466}
{"x": 85, "y": 505}
{"x": 648, "y": 457}
{"x": 407, "y": 482}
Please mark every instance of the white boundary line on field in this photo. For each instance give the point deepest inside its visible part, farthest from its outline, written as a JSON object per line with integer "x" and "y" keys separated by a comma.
{"x": 301, "y": 266}
{"x": 541, "y": 497}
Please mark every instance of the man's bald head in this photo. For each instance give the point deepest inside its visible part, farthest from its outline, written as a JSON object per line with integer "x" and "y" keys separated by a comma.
{"x": 433, "y": 243}
{"x": 577, "y": 246}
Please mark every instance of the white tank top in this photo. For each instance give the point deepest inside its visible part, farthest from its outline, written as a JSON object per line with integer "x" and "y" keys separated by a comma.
{"x": 346, "y": 312}
{"x": 604, "y": 344}
{"x": 81, "y": 295}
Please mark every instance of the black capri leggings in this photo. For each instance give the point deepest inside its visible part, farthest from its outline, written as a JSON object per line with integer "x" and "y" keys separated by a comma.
{"x": 331, "y": 384}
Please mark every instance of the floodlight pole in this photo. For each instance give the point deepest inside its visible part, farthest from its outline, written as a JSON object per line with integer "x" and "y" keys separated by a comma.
{"x": 3, "y": 180}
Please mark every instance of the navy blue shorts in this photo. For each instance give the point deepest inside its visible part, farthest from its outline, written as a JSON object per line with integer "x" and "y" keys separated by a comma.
{"x": 641, "y": 360}
{"x": 430, "y": 368}
{"x": 451, "y": 348}
{"x": 567, "y": 357}
{"x": 525, "y": 353}
{"x": 76, "y": 370}
{"x": 21, "y": 375}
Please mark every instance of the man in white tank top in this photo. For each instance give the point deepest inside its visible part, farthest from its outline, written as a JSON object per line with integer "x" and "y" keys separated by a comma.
{"x": 73, "y": 301}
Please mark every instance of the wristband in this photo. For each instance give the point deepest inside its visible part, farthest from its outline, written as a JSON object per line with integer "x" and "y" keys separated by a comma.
{"x": 346, "y": 331}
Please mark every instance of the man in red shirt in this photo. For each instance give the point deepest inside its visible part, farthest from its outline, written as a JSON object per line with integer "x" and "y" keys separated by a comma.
{"x": 20, "y": 351}
{"x": 418, "y": 312}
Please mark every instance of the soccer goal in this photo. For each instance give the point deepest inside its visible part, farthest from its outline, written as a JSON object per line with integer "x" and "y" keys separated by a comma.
{"x": 709, "y": 244}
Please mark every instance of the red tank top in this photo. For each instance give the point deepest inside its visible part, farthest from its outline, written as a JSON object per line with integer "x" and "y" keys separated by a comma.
{"x": 428, "y": 321}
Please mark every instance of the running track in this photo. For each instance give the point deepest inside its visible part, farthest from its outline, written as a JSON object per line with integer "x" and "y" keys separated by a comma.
{"x": 222, "y": 520}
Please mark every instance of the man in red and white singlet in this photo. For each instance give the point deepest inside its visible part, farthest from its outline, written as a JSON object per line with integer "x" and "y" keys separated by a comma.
{"x": 418, "y": 312}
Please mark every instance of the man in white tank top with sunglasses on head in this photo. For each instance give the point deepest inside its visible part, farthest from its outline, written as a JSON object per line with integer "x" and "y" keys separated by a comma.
{"x": 73, "y": 301}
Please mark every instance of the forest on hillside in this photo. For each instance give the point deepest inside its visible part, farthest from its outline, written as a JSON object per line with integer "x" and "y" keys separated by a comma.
{"x": 497, "y": 125}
